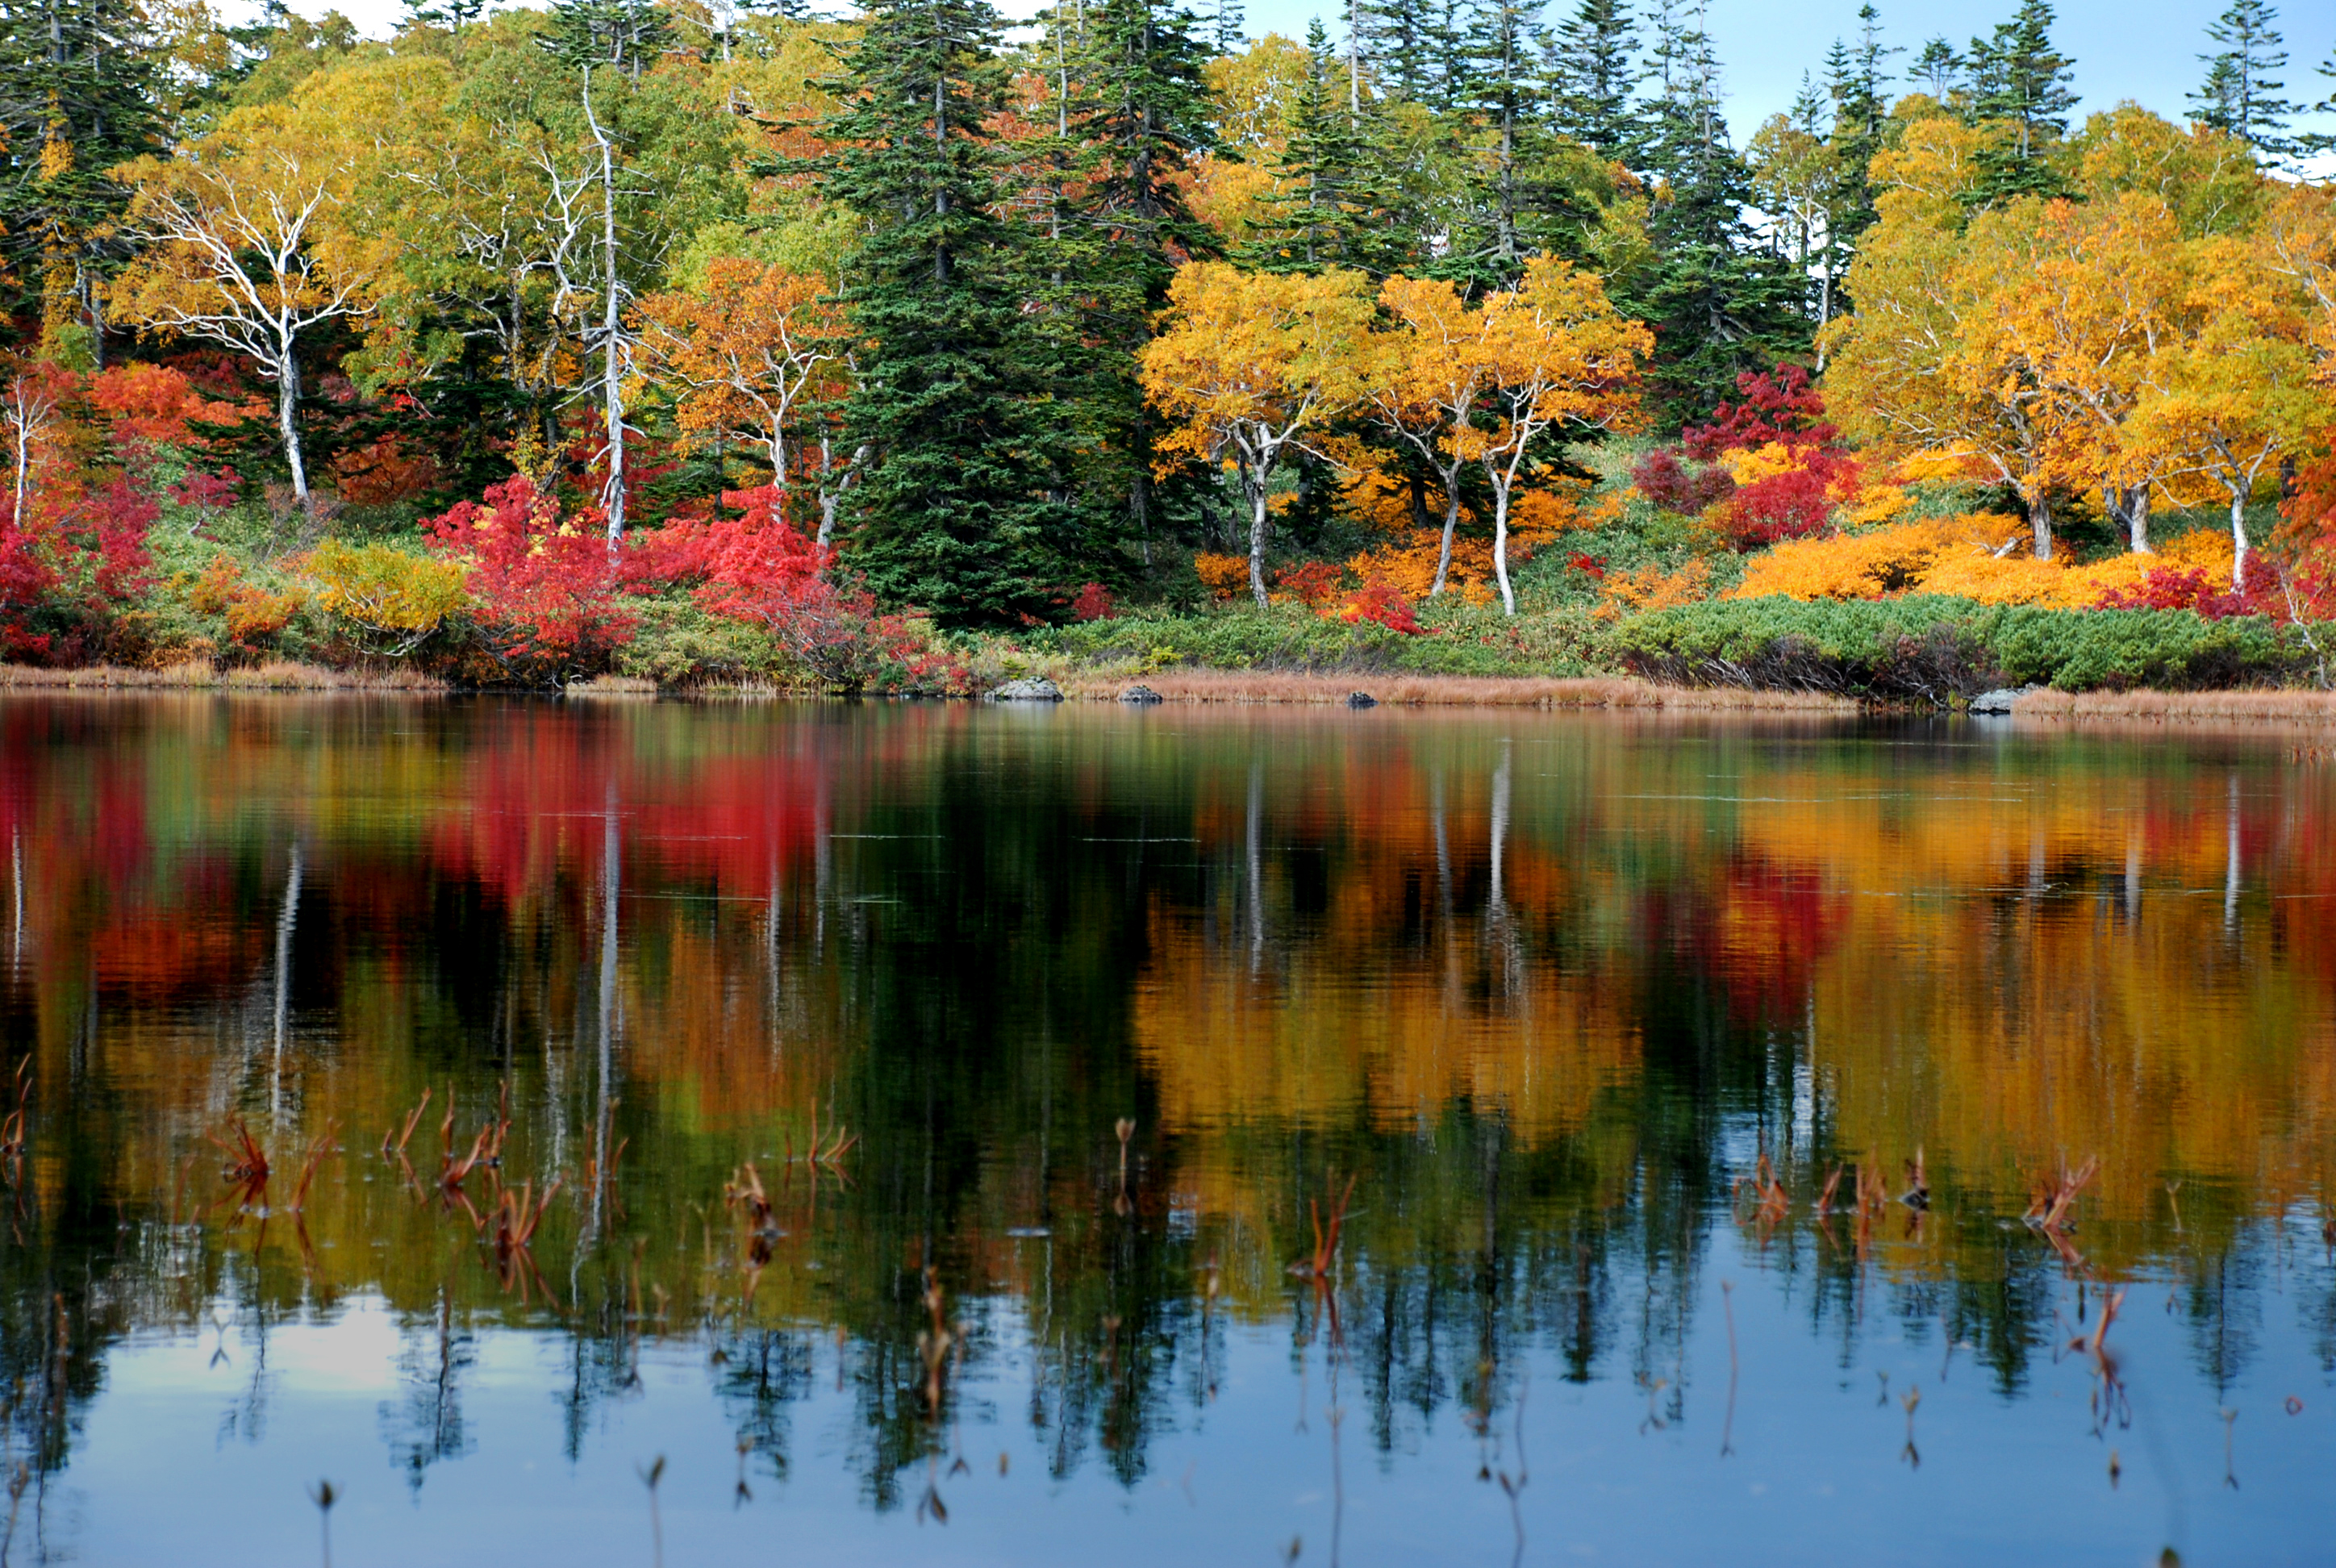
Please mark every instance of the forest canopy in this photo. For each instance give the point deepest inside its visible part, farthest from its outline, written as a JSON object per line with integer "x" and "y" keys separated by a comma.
{"x": 695, "y": 343}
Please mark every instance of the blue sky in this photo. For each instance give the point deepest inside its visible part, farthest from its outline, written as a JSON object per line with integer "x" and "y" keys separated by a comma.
{"x": 2144, "y": 50}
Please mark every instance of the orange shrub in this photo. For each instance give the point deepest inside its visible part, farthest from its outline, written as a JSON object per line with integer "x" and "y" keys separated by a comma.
{"x": 1959, "y": 556}
{"x": 1650, "y": 587}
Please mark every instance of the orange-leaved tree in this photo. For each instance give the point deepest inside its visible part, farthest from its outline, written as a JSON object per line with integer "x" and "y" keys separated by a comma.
{"x": 1555, "y": 353}
{"x": 1431, "y": 386}
{"x": 760, "y": 355}
{"x": 241, "y": 249}
{"x": 1252, "y": 365}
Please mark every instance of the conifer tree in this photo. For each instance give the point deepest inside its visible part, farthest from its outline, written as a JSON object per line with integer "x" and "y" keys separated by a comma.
{"x": 1939, "y": 70}
{"x": 1400, "y": 37}
{"x": 623, "y": 33}
{"x": 1138, "y": 109}
{"x": 1854, "y": 80}
{"x": 1718, "y": 303}
{"x": 2240, "y": 95}
{"x": 77, "y": 96}
{"x": 2019, "y": 80}
{"x": 1593, "y": 78}
{"x": 1324, "y": 212}
{"x": 963, "y": 511}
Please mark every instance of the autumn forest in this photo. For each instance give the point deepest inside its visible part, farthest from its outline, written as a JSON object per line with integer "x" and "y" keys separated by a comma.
{"x": 662, "y": 345}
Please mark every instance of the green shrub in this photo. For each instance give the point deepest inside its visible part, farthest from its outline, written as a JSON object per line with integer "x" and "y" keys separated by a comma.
{"x": 1934, "y": 648}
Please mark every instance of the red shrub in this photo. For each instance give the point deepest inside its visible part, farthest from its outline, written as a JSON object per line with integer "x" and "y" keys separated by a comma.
{"x": 1381, "y": 602}
{"x": 207, "y": 489}
{"x": 1310, "y": 582}
{"x": 546, "y": 589}
{"x": 1093, "y": 603}
{"x": 158, "y": 405}
{"x": 1794, "y": 504}
{"x": 2195, "y": 588}
{"x": 1588, "y": 565}
{"x": 1781, "y": 407}
{"x": 1662, "y": 479}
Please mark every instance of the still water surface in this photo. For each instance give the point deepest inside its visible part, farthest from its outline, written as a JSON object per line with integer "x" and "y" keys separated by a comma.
{"x": 1541, "y": 991}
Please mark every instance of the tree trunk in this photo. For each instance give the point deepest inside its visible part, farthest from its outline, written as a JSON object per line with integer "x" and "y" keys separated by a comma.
{"x": 1256, "y": 515}
{"x": 612, "y": 325}
{"x": 2040, "y": 523}
{"x": 2130, "y": 504}
{"x": 2239, "y": 538}
{"x": 1500, "y": 546}
{"x": 1451, "y": 527}
{"x": 287, "y": 408}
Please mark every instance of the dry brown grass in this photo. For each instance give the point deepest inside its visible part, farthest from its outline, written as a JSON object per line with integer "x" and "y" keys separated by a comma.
{"x": 1206, "y": 686}
{"x": 2184, "y": 706}
{"x": 277, "y": 674}
{"x": 614, "y": 686}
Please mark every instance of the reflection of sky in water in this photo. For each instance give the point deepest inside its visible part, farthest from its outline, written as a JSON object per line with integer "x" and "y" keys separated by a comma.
{"x": 1818, "y": 1470}
{"x": 1550, "y": 988}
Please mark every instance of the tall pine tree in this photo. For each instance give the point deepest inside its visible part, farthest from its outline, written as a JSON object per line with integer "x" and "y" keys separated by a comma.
{"x": 77, "y": 95}
{"x": 1719, "y": 302}
{"x": 1593, "y": 75}
{"x": 964, "y": 512}
{"x": 2240, "y": 95}
{"x": 2019, "y": 81}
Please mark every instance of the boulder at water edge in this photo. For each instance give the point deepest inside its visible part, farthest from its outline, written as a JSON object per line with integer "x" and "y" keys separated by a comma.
{"x": 1030, "y": 690}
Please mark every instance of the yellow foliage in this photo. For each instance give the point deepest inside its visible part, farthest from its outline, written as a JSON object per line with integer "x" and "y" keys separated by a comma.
{"x": 1750, "y": 465}
{"x": 1650, "y": 587}
{"x": 1872, "y": 564}
{"x": 386, "y": 591}
{"x": 1223, "y": 575}
{"x": 1958, "y": 556}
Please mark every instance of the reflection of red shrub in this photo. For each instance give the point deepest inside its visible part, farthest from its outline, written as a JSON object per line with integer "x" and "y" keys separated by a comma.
{"x": 1093, "y": 603}
{"x": 1381, "y": 602}
{"x": 546, "y": 587}
{"x": 1662, "y": 479}
{"x": 1311, "y": 583}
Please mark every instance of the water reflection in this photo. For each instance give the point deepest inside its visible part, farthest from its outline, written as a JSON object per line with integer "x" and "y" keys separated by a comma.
{"x": 866, "y": 1090}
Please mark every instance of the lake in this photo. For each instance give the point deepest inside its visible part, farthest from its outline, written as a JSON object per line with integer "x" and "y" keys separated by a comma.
{"x": 637, "y": 1132}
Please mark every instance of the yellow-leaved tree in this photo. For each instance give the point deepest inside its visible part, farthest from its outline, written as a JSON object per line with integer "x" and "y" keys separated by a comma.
{"x": 1431, "y": 386}
{"x": 1555, "y": 353}
{"x": 1251, "y": 366}
{"x": 240, "y": 247}
{"x": 760, "y": 355}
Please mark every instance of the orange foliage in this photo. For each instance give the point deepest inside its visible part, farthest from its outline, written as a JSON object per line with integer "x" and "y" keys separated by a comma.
{"x": 1650, "y": 587}
{"x": 384, "y": 471}
{"x": 1223, "y": 575}
{"x": 158, "y": 405}
{"x": 1959, "y": 556}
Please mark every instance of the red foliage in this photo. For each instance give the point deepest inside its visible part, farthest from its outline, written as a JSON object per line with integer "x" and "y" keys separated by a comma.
{"x": 1310, "y": 582}
{"x": 1381, "y": 602}
{"x": 1589, "y": 565}
{"x": 1094, "y": 602}
{"x": 207, "y": 489}
{"x": 1781, "y": 407}
{"x": 1794, "y": 504}
{"x": 1662, "y": 479}
{"x": 546, "y": 587}
{"x": 2195, "y": 588}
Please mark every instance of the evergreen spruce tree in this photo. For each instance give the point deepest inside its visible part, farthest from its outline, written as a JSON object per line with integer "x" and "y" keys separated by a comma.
{"x": 1514, "y": 208}
{"x": 963, "y": 512}
{"x": 77, "y": 96}
{"x": 1326, "y": 211}
{"x": 1718, "y": 302}
{"x": 1136, "y": 107}
{"x": 1399, "y": 35}
{"x": 2019, "y": 80}
{"x": 1592, "y": 68}
{"x": 1939, "y": 70}
{"x": 2239, "y": 94}
{"x": 1222, "y": 26}
{"x": 1451, "y": 68}
{"x": 625, "y": 35}
{"x": 1855, "y": 78}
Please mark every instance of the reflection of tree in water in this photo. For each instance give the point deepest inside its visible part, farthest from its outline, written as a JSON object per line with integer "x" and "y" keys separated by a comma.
{"x": 759, "y": 1373}
{"x": 426, "y": 1424}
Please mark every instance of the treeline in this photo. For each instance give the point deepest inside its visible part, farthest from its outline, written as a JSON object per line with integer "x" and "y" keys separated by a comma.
{"x": 899, "y": 312}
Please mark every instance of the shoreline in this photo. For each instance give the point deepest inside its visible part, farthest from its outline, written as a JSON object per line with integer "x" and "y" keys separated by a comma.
{"x": 1230, "y": 687}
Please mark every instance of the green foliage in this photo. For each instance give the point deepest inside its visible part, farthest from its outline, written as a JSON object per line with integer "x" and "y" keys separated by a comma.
{"x": 1935, "y": 648}
{"x": 1459, "y": 639}
{"x": 679, "y": 642}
